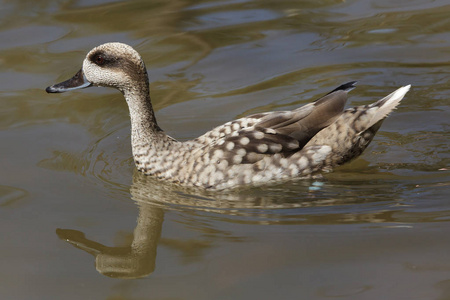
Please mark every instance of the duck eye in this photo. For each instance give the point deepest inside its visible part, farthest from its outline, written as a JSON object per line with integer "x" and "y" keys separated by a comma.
{"x": 99, "y": 60}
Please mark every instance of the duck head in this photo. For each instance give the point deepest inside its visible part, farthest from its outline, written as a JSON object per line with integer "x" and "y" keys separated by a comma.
{"x": 114, "y": 65}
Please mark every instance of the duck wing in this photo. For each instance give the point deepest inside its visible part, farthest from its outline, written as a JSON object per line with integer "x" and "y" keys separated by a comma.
{"x": 250, "y": 139}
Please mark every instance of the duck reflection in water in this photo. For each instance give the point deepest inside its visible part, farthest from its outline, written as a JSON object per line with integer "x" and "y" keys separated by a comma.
{"x": 138, "y": 259}
{"x": 254, "y": 206}
{"x": 134, "y": 261}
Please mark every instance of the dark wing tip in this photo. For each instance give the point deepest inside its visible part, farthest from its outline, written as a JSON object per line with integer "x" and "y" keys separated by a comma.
{"x": 347, "y": 87}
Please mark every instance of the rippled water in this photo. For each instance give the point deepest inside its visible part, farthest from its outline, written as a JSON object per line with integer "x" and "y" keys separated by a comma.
{"x": 78, "y": 222}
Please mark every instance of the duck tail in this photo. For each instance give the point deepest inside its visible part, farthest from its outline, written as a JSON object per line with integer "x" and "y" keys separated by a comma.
{"x": 353, "y": 131}
{"x": 387, "y": 104}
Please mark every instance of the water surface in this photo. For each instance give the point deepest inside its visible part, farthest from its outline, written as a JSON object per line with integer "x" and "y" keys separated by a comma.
{"x": 78, "y": 222}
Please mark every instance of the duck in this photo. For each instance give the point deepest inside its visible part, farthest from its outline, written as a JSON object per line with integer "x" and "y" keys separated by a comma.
{"x": 258, "y": 149}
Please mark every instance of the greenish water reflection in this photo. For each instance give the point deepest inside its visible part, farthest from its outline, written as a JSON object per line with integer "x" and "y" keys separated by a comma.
{"x": 374, "y": 229}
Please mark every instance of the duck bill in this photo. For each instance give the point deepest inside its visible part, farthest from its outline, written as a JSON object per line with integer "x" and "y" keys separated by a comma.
{"x": 78, "y": 81}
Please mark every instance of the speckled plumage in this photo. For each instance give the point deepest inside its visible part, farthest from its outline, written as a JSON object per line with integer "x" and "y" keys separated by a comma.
{"x": 252, "y": 150}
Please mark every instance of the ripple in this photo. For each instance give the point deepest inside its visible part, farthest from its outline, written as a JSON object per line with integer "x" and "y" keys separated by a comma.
{"x": 10, "y": 195}
{"x": 383, "y": 31}
{"x": 105, "y": 162}
{"x": 349, "y": 202}
{"x": 233, "y": 18}
{"x": 30, "y": 36}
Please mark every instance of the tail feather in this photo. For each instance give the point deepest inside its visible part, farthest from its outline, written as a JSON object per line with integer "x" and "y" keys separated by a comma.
{"x": 388, "y": 104}
{"x": 353, "y": 131}
{"x": 347, "y": 87}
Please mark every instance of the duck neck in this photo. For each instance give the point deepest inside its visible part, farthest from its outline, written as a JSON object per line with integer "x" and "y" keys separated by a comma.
{"x": 144, "y": 129}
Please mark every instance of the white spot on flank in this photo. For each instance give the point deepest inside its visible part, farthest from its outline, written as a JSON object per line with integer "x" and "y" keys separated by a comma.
{"x": 223, "y": 165}
{"x": 252, "y": 156}
{"x": 230, "y": 146}
{"x": 324, "y": 150}
{"x": 318, "y": 157}
{"x": 219, "y": 176}
{"x": 261, "y": 164}
{"x": 262, "y": 148}
{"x": 257, "y": 177}
{"x": 284, "y": 162}
{"x": 275, "y": 147}
{"x": 247, "y": 173}
{"x": 258, "y": 135}
{"x": 244, "y": 141}
{"x": 236, "y": 126}
{"x": 247, "y": 176}
{"x": 237, "y": 159}
{"x": 302, "y": 162}
{"x": 241, "y": 152}
{"x": 294, "y": 169}
{"x": 218, "y": 154}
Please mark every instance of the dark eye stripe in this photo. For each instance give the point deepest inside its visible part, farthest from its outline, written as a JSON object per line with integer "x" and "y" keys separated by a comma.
{"x": 99, "y": 59}
{"x": 106, "y": 60}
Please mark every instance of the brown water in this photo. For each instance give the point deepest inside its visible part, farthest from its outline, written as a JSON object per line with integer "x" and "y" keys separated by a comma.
{"x": 77, "y": 222}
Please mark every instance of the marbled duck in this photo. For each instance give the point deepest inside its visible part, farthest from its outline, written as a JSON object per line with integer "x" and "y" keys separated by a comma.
{"x": 260, "y": 148}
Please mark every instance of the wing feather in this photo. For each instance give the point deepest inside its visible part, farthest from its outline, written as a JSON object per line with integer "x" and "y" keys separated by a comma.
{"x": 250, "y": 139}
